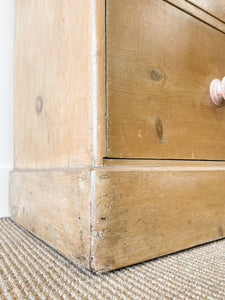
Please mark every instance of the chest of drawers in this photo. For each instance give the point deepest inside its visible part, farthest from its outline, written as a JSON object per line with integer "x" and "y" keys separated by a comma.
{"x": 119, "y": 127}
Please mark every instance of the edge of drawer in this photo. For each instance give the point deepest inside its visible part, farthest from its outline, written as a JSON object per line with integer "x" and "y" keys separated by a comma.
{"x": 198, "y": 13}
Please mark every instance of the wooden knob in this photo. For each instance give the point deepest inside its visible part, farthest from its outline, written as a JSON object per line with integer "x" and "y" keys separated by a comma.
{"x": 217, "y": 91}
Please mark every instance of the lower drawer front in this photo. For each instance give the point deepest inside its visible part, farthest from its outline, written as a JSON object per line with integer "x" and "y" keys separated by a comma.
{"x": 160, "y": 63}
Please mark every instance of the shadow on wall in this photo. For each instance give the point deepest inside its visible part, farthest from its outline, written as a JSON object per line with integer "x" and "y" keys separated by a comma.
{"x": 6, "y": 100}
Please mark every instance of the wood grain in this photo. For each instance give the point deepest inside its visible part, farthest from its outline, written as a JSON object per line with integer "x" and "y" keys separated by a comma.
{"x": 200, "y": 14}
{"x": 99, "y": 81}
{"x": 160, "y": 62}
{"x": 108, "y": 217}
{"x": 144, "y": 213}
{"x": 215, "y": 8}
{"x": 162, "y": 163}
{"x": 54, "y": 205}
{"x": 59, "y": 109}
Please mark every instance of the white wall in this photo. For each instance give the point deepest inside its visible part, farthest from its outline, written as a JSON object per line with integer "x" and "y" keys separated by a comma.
{"x": 6, "y": 99}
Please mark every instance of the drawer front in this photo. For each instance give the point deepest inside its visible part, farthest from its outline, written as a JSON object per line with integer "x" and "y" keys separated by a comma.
{"x": 214, "y": 7}
{"x": 160, "y": 63}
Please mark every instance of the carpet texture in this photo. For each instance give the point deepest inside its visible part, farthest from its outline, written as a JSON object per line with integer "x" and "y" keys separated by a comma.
{"x": 29, "y": 269}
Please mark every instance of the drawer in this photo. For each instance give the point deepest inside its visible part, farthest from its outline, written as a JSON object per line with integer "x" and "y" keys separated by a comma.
{"x": 215, "y": 8}
{"x": 160, "y": 63}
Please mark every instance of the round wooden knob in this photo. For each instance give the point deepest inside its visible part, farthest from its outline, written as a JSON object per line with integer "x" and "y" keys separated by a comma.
{"x": 217, "y": 91}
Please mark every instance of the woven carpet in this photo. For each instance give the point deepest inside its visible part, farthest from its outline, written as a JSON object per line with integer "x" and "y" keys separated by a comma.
{"x": 29, "y": 269}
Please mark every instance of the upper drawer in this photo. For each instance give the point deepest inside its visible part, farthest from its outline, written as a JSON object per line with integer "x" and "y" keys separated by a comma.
{"x": 214, "y": 7}
{"x": 160, "y": 62}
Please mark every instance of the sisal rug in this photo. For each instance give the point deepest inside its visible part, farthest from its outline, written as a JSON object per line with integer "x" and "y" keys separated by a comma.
{"x": 29, "y": 269}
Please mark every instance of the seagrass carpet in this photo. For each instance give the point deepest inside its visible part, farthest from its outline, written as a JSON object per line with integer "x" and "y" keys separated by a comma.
{"x": 29, "y": 269}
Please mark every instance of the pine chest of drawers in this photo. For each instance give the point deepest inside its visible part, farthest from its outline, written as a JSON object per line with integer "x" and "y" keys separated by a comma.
{"x": 119, "y": 127}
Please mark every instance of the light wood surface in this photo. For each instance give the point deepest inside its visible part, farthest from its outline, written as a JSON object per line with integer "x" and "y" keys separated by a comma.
{"x": 99, "y": 81}
{"x": 59, "y": 83}
{"x": 101, "y": 213}
{"x": 162, "y": 163}
{"x": 213, "y": 7}
{"x": 54, "y": 205}
{"x": 142, "y": 214}
{"x": 159, "y": 70}
{"x": 107, "y": 218}
{"x": 201, "y": 15}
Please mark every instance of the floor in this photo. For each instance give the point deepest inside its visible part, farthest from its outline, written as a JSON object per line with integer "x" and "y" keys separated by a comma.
{"x": 29, "y": 269}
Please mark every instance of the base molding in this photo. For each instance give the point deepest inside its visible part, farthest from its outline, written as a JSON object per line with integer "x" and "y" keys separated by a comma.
{"x": 114, "y": 216}
{"x": 54, "y": 205}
